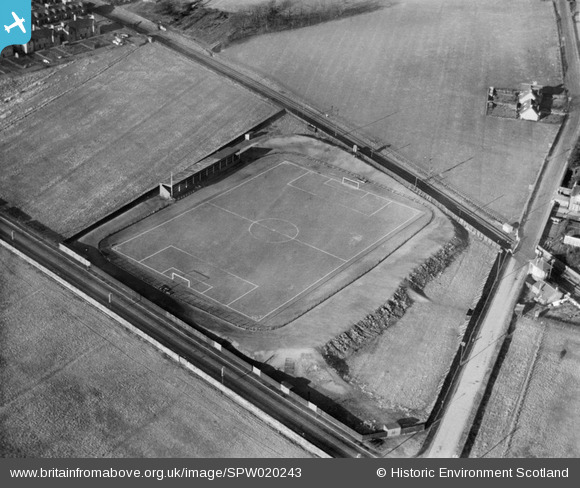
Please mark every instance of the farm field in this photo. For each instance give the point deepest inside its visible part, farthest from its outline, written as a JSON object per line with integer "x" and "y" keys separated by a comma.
{"x": 233, "y": 5}
{"x": 274, "y": 233}
{"x": 535, "y": 398}
{"x": 415, "y": 74}
{"x": 74, "y": 383}
{"x": 431, "y": 330}
{"x": 99, "y": 143}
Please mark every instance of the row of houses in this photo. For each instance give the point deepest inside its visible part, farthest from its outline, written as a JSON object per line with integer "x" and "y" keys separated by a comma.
{"x": 55, "y": 22}
{"x": 46, "y": 37}
{"x": 51, "y": 13}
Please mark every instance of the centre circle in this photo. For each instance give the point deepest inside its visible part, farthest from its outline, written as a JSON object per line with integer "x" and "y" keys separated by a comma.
{"x": 273, "y": 230}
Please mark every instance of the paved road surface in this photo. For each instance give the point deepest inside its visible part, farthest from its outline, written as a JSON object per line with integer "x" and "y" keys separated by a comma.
{"x": 461, "y": 409}
{"x": 471, "y": 213}
{"x": 314, "y": 428}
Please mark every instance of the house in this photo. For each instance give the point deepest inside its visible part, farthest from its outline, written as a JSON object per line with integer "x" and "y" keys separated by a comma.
{"x": 527, "y": 96}
{"x": 529, "y": 111}
{"x": 40, "y": 17}
{"x": 77, "y": 8}
{"x": 574, "y": 205}
{"x": 539, "y": 269}
{"x": 567, "y": 201}
{"x": 7, "y": 52}
{"x": 562, "y": 199}
{"x": 39, "y": 39}
{"x": 81, "y": 29}
{"x": 543, "y": 292}
{"x": 572, "y": 241}
{"x": 62, "y": 12}
{"x": 529, "y": 103}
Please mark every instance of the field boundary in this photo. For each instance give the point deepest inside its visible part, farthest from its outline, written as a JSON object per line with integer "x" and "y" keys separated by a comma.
{"x": 273, "y": 423}
{"x": 523, "y": 393}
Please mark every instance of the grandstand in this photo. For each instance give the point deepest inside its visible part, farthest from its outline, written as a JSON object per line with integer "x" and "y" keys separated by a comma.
{"x": 187, "y": 180}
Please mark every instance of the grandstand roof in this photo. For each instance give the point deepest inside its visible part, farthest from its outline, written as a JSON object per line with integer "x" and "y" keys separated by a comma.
{"x": 222, "y": 153}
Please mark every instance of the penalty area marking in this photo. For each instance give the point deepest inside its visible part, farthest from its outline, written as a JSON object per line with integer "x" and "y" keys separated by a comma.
{"x": 332, "y": 182}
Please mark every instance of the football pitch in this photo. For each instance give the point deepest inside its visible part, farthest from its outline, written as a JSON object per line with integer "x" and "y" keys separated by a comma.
{"x": 267, "y": 242}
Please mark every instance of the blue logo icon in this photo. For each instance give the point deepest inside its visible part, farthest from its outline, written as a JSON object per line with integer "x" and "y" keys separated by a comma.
{"x": 15, "y": 22}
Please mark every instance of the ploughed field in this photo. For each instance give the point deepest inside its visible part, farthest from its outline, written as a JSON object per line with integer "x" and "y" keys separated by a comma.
{"x": 415, "y": 75}
{"x": 105, "y": 131}
{"x": 534, "y": 400}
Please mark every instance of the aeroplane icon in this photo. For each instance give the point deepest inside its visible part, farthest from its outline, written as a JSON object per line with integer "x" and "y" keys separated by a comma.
{"x": 17, "y": 23}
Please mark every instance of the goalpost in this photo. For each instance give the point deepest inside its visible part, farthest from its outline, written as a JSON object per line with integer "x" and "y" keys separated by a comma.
{"x": 352, "y": 183}
{"x": 182, "y": 278}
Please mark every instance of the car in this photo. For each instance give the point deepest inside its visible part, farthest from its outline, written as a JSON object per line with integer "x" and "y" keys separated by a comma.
{"x": 166, "y": 289}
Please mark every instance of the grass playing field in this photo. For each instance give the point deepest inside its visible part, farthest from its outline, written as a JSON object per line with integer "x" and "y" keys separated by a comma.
{"x": 259, "y": 246}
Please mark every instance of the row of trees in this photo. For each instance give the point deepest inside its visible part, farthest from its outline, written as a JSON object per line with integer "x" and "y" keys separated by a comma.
{"x": 268, "y": 16}
{"x": 277, "y": 15}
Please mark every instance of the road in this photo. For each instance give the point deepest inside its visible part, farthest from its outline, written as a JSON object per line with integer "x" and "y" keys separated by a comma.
{"x": 316, "y": 429}
{"x": 456, "y": 421}
{"x": 315, "y": 118}
{"x": 460, "y": 411}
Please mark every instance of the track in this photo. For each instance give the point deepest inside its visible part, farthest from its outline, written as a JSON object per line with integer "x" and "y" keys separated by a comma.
{"x": 316, "y": 429}
{"x": 319, "y": 121}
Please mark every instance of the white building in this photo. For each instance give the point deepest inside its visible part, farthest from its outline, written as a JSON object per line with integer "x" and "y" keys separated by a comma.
{"x": 529, "y": 103}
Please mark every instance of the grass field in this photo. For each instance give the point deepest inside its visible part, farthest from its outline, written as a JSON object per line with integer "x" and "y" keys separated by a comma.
{"x": 233, "y": 5}
{"x": 431, "y": 330}
{"x": 74, "y": 383}
{"x": 266, "y": 242}
{"x": 98, "y": 144}
{"x": 415, "y": 75}
{"x": 535, "y": 399}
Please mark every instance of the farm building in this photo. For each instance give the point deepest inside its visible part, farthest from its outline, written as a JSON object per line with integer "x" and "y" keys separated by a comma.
{"x": 527, "y": 96}
{"x": 528, "y": 111}
{"x": 529, "y": 103}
